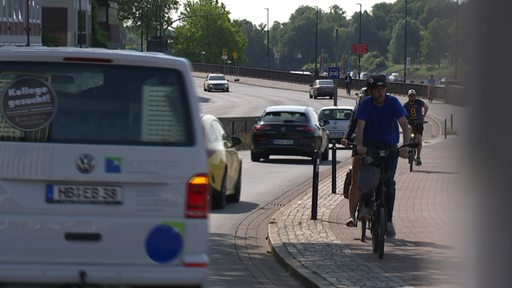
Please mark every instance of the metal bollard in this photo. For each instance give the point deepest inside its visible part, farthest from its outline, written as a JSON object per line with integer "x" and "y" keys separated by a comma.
{"x": 445, "y": 128}
{"x": 314, "y": 197}
{"x": 333, "y": 162}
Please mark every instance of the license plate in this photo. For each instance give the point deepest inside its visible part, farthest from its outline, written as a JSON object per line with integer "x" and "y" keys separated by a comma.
{"x": 83, "y": 194}
{"x": 283, "y": 141}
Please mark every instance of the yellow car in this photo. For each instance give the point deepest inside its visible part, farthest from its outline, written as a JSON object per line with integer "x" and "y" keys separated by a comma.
{"x": 224, "y": 162}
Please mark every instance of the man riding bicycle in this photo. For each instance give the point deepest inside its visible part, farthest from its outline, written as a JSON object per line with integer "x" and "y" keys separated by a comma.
{"x": 378, "y": 117}
{"x": 416, "y": 111}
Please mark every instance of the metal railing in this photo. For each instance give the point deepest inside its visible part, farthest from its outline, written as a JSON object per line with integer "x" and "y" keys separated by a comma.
{"x": 451, "y": 94}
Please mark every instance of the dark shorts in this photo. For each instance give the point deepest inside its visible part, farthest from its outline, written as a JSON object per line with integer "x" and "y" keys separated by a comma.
{"x": 417, "y": 128}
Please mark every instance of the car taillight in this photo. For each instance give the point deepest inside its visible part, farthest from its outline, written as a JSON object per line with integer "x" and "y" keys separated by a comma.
{"x": 197, "y": 197}
{"x": 258, "y": 128}
{"x": 306, "y": 129}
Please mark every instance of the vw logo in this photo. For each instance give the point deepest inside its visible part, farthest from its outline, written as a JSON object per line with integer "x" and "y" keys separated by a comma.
{"x": 85, "y": 163}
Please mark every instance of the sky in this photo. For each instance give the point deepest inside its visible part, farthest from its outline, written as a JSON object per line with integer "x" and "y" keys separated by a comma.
{"x": 280, "y": 10}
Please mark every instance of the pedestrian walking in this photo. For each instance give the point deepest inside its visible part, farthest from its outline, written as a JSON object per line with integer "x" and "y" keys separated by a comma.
{"x": 431, "y": 87}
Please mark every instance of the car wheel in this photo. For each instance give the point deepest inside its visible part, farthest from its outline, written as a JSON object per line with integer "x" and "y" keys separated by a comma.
{"x": 219, "y": 197}
{"x": 255, "y": 157}
{"x": 310, "y": 96}
{"x": 227, "y": 90}
{"x": 235, "y": 198}
{"x": 204, "y": 88}
{"x": 315, "y": 97}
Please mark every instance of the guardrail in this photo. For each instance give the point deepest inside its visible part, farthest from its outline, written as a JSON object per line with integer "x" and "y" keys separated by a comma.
{"x": 453, "y": 93}
{"x": 241, "y": 126}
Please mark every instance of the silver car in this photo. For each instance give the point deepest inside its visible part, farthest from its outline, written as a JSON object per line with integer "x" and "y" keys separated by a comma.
{"x": 216, "y": 82}
{"x": 337, "y": 118}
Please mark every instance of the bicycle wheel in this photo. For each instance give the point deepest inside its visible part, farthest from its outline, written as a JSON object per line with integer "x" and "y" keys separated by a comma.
{"x": 363, "y": 223}
{"x": 363, "y": 230}
{"x": 382, "y": 231}
{"x": 411, "y": 159}
{"x": 374, "y": 219}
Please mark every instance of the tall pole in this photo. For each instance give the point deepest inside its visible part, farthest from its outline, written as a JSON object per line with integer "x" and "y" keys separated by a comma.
{"x": 268, "y": 42}
{"x": 80, "y": 23}
{"x": 405, "y": 43}
{"x": 360, "y": 21}
{"x": 316, "y": 45}
{"x": 457, "y": 41}
{"x": 27, "y": 22}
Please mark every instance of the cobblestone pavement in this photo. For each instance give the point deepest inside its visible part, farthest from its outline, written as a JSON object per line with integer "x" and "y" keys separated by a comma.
{"x": 426, "y": 252}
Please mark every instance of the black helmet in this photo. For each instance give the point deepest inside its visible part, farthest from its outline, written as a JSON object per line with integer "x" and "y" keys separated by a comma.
{"x": 375, "y": 81}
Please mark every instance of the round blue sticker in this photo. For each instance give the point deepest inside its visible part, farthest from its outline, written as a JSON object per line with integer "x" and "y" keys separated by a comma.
{"x": 163, "y": 243}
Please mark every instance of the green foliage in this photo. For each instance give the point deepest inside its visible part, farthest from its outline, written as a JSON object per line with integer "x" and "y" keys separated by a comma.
{"x": 435, "y": 45}
{"x": 152, "y": 17}
{"x": 206, "y": 27}
{"x": 99, "y": 37}
{"x": 49, "y": 40}
{"x": 433, "y": 27}
{"x": 396, "y": 46}
{"x": 374, "y": 62}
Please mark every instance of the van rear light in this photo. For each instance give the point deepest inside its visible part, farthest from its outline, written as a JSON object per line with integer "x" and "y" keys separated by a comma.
{"x": 196, "y": 265}
{"x": 198, "y": 197}
{"x": 88, "y": 60}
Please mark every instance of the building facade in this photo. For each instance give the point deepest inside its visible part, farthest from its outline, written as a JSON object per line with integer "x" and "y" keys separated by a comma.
{"x": 57, "y": 22}
{"x": 18, "y": 29}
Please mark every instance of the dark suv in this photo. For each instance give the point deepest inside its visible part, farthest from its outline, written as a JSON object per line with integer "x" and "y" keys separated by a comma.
{"x": 322, "y": 88}
{"x": 289, "y": 130}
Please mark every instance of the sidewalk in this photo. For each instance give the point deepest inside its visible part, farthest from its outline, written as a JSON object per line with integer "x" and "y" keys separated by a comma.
{"x": 326, "y": 253}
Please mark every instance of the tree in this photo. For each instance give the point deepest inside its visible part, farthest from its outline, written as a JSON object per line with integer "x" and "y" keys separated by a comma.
{"x": 206, "y": 27}
{"x": 435, "y": 43}
{"x": 396, "y": 46}
{"x": 152, "y": 17}
{"x": 99, "y": 37}
{"x": 374, "y": 62}
{"x": 256, "y": 51}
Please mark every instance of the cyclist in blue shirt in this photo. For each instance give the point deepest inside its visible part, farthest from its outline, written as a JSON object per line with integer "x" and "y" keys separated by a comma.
{"x": 378, "y": 118}
{"x": 416, "y": 111}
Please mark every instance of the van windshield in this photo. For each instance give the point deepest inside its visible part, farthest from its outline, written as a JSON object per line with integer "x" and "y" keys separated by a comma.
{"x": 93, "y": 104}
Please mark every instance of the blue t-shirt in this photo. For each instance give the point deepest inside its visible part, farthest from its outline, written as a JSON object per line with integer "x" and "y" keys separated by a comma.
{"x": 381, "y": 121}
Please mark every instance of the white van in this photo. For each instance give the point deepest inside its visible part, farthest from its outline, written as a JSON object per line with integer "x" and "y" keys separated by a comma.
{"x": 103, "y": 171}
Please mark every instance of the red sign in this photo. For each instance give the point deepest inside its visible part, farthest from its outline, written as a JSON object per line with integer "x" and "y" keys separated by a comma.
{"x": 359, "y": 48}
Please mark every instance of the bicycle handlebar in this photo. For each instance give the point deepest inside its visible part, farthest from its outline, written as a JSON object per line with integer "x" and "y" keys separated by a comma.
{"x": 409, "y": 145}
{"x": 417, "y": 122}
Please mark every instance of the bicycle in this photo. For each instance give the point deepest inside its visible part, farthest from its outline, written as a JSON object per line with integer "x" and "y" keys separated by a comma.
{"x": 412, "y": 151}
{"x": 377, "y": 219}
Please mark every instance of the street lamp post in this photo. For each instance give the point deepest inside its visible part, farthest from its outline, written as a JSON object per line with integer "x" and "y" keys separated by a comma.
{"x": 405, "y": 42}
{"x": 360, "y": 21}
{"x": 202, "y": 57}
{"x": 316, "y": 45}
{"x": 268, "y": 42}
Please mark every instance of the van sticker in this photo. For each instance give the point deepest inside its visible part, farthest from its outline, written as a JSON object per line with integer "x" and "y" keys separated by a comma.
{"x": 29, "y": 104}
{"x": 164, "y": 242}
{"x": 113, "y": 165}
